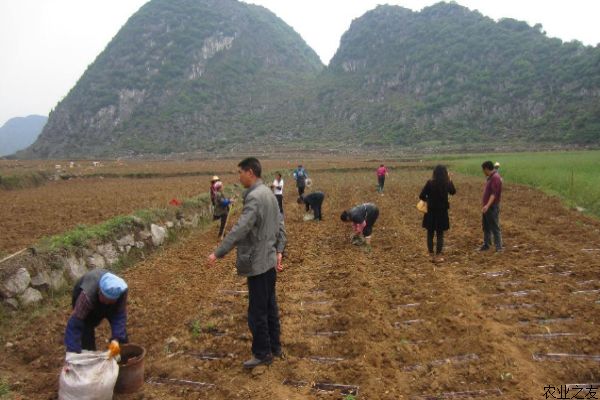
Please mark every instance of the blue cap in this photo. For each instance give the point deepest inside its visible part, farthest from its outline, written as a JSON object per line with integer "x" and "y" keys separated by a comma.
{"x": 111, "y": 286}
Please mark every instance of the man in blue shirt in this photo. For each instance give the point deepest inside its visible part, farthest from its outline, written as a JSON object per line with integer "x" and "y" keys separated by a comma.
{"x": 300, "y": 175}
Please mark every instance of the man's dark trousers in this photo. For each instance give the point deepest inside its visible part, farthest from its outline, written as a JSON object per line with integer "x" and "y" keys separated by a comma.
{"x": 381, "y": 182}
{"x": 317, "y": 211}
{"x": 491, "y": 227}
{"x": 263, "y": 314}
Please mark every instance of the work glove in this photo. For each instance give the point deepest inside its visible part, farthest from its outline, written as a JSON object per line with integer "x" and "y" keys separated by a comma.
{"x": 114, "y": 350}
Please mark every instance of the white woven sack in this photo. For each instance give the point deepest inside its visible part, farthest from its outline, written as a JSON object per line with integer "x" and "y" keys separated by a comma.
{"x": 90, "y": 375}
{"x": 308, "y": 217}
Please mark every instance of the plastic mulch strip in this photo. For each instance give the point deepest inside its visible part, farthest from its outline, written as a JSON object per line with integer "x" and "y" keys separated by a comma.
{"x": 343, "y": 389}
{"x": 450, "y": 360}
{"x": 181, "y": 382}
{"x": 550, "y": 335}
{"x": 594, "y": 291}
{"x": 564, "y": 273}
{"x": 460, "y": 395}
{"x": 409, "y": 305}
{"x": 512, "y": 283}
{"x": 583, "y": 283}
{"x": 547, "y": 321}
{"x": 316, "y": 303}
{"x": 515, "y": 306}
{"x": 326, "y": 360}
{"x": 234, "y": 292}
{"x": 408, "y": 322}
{"x": 564, "y": 356}
{"x": 325, "y": 386}
{"x": 330, "y": 333}
{"x": 519, "y": 293}
{"x": 496, "y": 274}
{"x": 209, "y": 355}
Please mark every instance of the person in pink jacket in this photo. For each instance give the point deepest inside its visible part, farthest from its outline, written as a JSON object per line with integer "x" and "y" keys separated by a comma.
{"x": 382, "y": 172}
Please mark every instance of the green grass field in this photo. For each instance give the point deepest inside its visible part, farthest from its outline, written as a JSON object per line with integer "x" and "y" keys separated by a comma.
{"x": 573, "y": 176}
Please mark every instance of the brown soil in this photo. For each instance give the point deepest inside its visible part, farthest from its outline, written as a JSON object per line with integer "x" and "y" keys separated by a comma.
{"x": 30, "y": 214}
{"x": 27, "y": 215}
{"x": 390, "y": 347}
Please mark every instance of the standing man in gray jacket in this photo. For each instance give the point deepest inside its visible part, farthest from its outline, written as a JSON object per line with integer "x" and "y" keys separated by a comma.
{"x": 260, "y": 238}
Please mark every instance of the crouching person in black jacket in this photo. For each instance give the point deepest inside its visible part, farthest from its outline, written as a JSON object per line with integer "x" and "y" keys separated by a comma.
{"x": 363, "y": 218}
{"x": 313, "y": 201}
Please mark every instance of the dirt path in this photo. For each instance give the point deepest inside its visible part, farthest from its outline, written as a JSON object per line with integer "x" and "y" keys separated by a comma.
{"x": 384, "y": 319}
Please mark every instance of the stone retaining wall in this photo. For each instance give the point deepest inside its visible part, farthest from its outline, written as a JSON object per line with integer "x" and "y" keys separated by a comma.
{"x": 29, "y": 278}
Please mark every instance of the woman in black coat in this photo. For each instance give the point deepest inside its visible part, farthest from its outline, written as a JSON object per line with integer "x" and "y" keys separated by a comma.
{"x": 436, "y": 220}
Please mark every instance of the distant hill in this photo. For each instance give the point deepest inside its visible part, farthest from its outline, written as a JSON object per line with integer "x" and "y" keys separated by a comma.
{"x": 18, "y": 133}
{"x": 450, "y": 75}
{"x": 220, "y": 75}
{"x": 181, "y": 75}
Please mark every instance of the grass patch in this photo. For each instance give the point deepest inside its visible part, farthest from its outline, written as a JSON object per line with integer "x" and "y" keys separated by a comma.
{"x": 195, "y": 328}
{"x": 152, "y": 215}
{"x": 30, "y": 179}
{"x": 111, "y": 229}
{"x": 571, "y": 175}
{"x": 84, "y": 234}
{"x": 4, "y": 388}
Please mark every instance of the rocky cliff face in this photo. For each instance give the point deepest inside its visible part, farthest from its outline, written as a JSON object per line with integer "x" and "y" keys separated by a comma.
{"x": 221, "y": 75}
{"x": 180, "y": 75}
{"x": 450, "y": 74}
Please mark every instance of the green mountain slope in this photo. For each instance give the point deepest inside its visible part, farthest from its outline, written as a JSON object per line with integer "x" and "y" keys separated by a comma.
{"x": 180, "y": 75}
{"x": 453, "y": 75}
{"x": 185, "y": 75}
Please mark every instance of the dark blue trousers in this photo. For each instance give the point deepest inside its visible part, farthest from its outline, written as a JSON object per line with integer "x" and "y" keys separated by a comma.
{"x": 263, "y": 314}
{"x": 490, "y": 222}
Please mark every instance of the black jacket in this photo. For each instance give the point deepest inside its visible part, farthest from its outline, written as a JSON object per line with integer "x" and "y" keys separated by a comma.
{"x": 314, "y": 199}
{"x": 363, "y": 212}
{"x": 436, "y": 217}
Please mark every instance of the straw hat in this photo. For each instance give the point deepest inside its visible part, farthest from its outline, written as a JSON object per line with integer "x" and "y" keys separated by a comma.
{"x": 215, "y": 178}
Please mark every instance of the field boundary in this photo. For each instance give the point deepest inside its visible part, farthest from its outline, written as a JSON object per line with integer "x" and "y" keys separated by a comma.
{"x": 32, "y": 275}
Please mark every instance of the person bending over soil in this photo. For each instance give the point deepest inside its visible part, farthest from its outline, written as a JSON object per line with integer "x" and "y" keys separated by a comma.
{"x": 363, "y": 218}
{"x": 313, "y": 201}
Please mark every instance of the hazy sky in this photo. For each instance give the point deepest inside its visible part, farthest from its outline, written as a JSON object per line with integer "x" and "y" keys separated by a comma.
{"x": 46, "y": 45}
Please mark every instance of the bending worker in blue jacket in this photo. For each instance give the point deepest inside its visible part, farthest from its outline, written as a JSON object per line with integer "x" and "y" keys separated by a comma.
{"x": 97, "y": 295}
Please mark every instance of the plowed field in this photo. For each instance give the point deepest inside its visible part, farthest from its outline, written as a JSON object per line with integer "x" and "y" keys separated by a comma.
{"x": 384, "y": 318}
{"x": 27, "y": 215}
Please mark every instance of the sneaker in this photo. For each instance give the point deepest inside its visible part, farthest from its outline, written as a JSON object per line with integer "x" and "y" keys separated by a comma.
{"x": 499, "y": 249}
{"x": 484, "y": 248}
{"x": 279, "y": 354}
{"x": 255, "y": 362}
